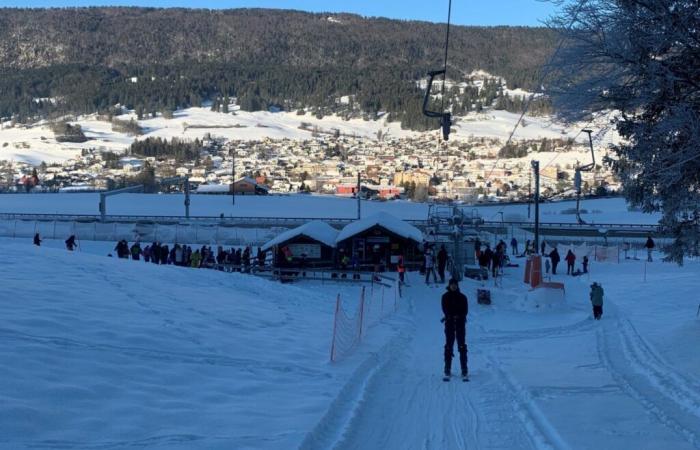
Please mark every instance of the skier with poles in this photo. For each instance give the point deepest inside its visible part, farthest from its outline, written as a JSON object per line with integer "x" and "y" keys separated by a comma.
{"x": 455, "y": 308}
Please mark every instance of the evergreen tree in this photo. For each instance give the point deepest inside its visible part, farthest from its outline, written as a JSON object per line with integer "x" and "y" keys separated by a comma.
{"x": 640, "y": 57}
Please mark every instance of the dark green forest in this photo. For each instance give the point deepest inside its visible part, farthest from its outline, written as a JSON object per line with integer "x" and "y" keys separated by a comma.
{"x": 84, "y": 60}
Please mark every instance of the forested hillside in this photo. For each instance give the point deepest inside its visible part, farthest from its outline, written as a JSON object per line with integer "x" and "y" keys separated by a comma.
{"x": 88, "y": 59}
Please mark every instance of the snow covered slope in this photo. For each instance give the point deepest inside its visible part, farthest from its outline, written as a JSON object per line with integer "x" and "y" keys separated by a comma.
{"x": 105, "y": 353}
{"x": 543, "y": 373}
{"x": 102, "y": 352}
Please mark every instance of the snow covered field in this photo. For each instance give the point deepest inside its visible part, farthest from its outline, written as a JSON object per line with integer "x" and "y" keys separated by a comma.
{"x": 105, "y": 353}
{"x": 598, "y": 211}
{"x": 36, "y": 143}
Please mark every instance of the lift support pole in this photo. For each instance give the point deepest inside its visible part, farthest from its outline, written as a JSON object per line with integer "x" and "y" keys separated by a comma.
{"x": 536, "y": 170}
{"x": 104, "y": 195}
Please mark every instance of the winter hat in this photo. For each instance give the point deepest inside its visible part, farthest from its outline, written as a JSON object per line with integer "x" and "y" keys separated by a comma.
{"x": 453, "y": 281}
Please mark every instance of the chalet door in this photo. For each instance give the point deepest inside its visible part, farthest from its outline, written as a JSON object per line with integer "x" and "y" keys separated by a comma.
{"x": 358, "y": 248}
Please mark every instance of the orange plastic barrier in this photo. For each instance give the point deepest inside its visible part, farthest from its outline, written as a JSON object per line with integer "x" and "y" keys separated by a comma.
{"x": 533, "y": 271}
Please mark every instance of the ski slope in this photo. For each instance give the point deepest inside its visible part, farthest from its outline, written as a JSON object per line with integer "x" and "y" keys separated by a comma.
{"x": 543, "y": 373}
{"x": 105, "y": 353}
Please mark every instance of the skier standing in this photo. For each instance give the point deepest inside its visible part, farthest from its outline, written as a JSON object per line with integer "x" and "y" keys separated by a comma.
{"x": 442, "y": 262}
{"x": 570, "y": 261}
{"x": 597, "y": 300}
{"x": 554, "y": 256}
{"x": 401, "y": 268}
{"x": 455, "y": 308}
{"x": 70, "y": 243}
{"x": 430, "y": 266}
{"x": 136, "y": 251}
{"x": 37, "y": 240}
{"x": 650, "y": 247}
{"x": 514, "y": 246}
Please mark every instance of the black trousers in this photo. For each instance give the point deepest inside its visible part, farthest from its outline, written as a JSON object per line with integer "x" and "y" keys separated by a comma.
{"x": 441, "y": 272}
{"x": 455, "y": 329}
{"x": 597, "y": 312}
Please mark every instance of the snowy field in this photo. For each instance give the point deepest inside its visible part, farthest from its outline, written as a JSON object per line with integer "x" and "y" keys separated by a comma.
{"x": 598, "y": 211}
{"x": 105, "y": 353}
{"x": 36, "y": 143}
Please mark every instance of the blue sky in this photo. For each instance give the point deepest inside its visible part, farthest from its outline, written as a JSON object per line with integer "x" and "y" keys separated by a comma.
{"x": 464, "y": 12}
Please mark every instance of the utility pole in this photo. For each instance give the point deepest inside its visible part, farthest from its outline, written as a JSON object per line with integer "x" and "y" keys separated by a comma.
{"x": 536, "y": 169}
{"x": 233, "y": 177}
{"x": 529, "y": 193}
{"x": 187, "y": 197}
{"x": 359, "y": 216}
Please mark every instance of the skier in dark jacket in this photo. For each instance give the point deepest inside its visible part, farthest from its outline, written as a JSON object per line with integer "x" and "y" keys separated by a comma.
{"x": 650, "y": 248}
{"x": 597, "y": 300}
{"x": 554, "y": 256}
{"x": 442, "y": 262}
{"x": 70, "y": 243}
{"x": 37, "y": 240}
{"x": 455, "y": 308}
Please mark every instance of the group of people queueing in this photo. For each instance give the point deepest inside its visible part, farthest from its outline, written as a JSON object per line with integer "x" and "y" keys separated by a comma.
{"x": 182, "y": 255}
{"x": 554, "y": 258}
{"x": 493, "y": 260}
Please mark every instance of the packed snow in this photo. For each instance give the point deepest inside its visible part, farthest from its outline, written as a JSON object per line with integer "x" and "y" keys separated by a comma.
{"x": 99, "y": 352}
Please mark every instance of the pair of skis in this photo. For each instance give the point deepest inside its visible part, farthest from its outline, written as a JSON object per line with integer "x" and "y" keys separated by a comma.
{"x": 465, "y": 378}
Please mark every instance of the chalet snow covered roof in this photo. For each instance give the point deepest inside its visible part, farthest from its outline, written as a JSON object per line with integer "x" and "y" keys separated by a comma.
{"x": 384, "y": 220}
{"x": 317, "y": 230}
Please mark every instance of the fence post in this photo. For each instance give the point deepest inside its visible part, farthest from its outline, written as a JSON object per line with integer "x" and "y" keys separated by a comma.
{"x": 14, "y": 230}
{"x": 362, "y": 313}
{"x": 54, "y": 229}
{"x": 335, "y": 327}
{"x": 381, "y": 308}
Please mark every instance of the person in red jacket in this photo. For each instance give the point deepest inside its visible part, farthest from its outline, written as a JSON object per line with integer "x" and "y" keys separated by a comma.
{"x": 401, "y": 268}
{"x": 570, "y": 260}
{"x": 455, "y": 308}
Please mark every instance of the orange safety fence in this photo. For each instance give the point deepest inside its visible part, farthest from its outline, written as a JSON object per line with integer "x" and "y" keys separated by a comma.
{"x": 352, "y": 320}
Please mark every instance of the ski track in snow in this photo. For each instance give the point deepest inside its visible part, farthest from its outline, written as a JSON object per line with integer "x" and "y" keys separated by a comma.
{"x": 495, "y": 409}
{"x": 427, "y": 413}
{"x": 666, "y": 395}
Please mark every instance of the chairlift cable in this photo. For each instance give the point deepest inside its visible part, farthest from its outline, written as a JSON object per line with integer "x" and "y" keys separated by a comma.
{"x": 447, "y": 45}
